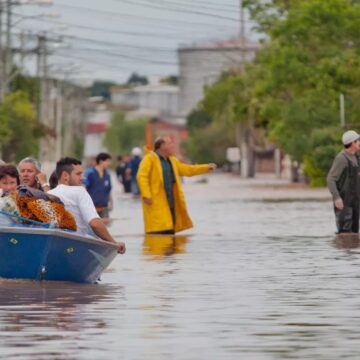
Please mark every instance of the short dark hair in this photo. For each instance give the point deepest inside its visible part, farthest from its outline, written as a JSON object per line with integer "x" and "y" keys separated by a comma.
{"x": 9, "y": 170}
{"x": 65, "y": 164}
{"x": 348, "y": 145}
{"x": 158, "y": 142}
{"x": 53, "y": 180}
{"x": 102, "y": 157}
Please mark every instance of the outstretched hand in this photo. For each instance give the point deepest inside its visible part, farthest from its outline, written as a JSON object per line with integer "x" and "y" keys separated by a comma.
{"x": 212, "y": 167}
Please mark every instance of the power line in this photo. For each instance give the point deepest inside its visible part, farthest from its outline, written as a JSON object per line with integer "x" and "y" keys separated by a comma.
{"x": 197, "y": 6}
{"x": 109, "y": 31}
{"x": 126, "y": 15}
{"x": 194, "y": 12}
{"x": 96, "y": 62}
{"x": 121, "y": 55}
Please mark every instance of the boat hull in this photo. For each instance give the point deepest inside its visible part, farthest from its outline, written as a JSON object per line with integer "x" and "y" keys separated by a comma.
{"x": 28, "y": 252}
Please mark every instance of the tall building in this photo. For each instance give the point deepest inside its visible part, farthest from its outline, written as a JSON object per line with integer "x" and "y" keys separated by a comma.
{"x": 202, "y": 65}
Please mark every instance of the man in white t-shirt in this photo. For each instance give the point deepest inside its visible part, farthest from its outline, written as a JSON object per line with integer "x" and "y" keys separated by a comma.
{"x": 77, "y": 200}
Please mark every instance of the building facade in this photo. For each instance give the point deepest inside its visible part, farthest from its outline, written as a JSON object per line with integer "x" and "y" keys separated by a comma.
{"x": 202, "y": 65}
{"x": 154, "y": 99}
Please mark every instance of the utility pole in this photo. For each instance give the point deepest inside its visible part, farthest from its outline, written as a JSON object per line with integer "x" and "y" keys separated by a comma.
{"x": 59, "y": 118}
{"x": 342, "y": 110}
{"x": 22, "y": 50}
{"x": 8, "y": 53}
{"x": 42, "y": 77}
{"x": 242, "y": 35}
{"x": 2, "y": 68}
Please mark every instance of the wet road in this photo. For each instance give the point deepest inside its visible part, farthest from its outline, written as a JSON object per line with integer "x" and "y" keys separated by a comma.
{"x": 253, "y": 280}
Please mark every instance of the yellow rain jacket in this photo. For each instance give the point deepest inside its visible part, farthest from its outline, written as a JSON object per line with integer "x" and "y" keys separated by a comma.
{"x": 157, "y": 216}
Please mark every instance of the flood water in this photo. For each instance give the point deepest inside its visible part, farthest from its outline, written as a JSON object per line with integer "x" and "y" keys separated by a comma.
{"x": 252, "y": 280}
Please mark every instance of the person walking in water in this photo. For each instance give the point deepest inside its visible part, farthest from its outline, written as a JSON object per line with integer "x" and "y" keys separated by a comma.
{"x": 163, "y": 200}
{"x": 344, "y": 182}
{"x": 98, "y": 184}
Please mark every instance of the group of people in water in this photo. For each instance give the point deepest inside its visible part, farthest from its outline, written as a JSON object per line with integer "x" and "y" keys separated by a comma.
{"x": 75, "y": 200}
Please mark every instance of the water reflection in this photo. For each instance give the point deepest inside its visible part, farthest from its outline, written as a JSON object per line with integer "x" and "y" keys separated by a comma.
{"x": 47, "y": 312}
{"x": 159, "y": 246}
{"x": 347, "y": 241}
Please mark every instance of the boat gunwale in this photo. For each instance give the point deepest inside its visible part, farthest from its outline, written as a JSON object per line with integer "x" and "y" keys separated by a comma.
{"x": 56, "y": 232}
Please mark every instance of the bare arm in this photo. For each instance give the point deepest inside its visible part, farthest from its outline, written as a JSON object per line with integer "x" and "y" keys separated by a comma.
{"x": 102, "y": 232}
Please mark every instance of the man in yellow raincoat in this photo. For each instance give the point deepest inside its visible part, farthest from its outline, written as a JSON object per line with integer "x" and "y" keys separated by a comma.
{"x": 160, "y": 187}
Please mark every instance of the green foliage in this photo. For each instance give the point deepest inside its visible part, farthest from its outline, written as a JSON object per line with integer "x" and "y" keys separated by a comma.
{"x": 102, "y": 88}
{"x": 198, "y": 119}
{"x": 28, "y": 85}
{"x": 22, "y": 130}
{"x": 123, "y": 135}
{"x": 310, "y": 56}
{"x": 325, "y": 146}
{"x": 170, "y": 80}
{"x": 136, "y": 79}
{"x": 227, "y": 100}
{"x": 209, "y": 144}
{"x": 209, "y": 139}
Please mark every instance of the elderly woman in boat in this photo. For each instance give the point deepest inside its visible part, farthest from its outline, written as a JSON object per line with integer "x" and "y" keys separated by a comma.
{"x": 31, "y": 175}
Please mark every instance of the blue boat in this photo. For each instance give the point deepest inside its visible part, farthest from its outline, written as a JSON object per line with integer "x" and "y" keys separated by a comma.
{"x": 38, "y": 253}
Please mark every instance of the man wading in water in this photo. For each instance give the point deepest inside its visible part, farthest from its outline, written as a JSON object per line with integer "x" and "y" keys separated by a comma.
{"x": 343, "y": 182}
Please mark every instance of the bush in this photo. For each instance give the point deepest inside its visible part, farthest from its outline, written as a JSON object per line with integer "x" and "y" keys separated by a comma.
{"x": 325, "y": 145}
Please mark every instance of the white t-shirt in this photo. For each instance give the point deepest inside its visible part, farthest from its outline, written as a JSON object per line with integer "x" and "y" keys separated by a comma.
{"x": 77, "y": 201}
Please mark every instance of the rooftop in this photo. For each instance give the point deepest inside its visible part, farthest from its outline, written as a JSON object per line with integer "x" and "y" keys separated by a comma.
{"x": 235, "y": 43}
{"x": 153, "y": 88}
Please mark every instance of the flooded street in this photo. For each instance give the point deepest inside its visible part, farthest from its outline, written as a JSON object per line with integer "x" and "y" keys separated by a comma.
{"x": 259, "y": 277}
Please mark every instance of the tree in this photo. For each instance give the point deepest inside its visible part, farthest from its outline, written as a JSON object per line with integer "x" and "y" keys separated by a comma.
{"x": 230, "y": 101}
{"x": 312, "y": 55}
{"x": 102, "y": 88}
{"x": 197, "y": 119}
{"x": 136, "y": 80}
{"x": 122, "y": 135}
{"x": 209, "y": 143}
{"x": 22, "y": 130}
{"x": 170, "y": 80}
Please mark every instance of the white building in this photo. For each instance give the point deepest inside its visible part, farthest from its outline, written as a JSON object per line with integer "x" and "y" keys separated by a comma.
{"x": 153, "y": 99}
{"x": 202, "y": 65}
{"x": 97, "y": 121}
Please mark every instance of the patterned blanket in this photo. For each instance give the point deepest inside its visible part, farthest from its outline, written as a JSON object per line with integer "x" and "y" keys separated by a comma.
{"x": 39, "y": 206}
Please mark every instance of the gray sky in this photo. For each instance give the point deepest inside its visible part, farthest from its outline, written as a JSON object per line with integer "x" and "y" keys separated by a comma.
{"x": 113, "y": 38}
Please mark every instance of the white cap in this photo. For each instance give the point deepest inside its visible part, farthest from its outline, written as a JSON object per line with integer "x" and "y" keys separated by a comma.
{"x": 349, "y": 137}
{"x": 136, "y": 151}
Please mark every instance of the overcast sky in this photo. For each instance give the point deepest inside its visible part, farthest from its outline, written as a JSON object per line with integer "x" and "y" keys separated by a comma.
{"x": 112, "y": 38}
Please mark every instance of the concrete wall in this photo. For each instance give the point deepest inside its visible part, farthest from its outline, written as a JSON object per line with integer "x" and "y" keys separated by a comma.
{"x": 200, "y": 67}
{"x": 94, "y": 141}
{"x": 160, "y": 98}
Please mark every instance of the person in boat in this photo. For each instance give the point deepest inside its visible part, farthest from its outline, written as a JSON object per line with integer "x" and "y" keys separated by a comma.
{"x": 159, "y": 181}
{"x": 9, "y": 178}
{"x": 98, "y": 185}
{"x": 31, "y": 175}
{"x": 77, "y": 200}
{"x": 344, "y": 181}
{"x": 53, "y": 181}
{"x": 25, "y": 202}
